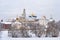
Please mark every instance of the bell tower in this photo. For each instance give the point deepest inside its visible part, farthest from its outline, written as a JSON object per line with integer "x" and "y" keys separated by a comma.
{"x": 24, "y": 14}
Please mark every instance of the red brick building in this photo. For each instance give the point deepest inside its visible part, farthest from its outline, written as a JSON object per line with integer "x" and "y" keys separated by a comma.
{"x": 6, "y": 25}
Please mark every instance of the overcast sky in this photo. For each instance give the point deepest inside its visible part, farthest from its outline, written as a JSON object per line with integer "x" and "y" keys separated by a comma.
{"x": 12, "y": 8}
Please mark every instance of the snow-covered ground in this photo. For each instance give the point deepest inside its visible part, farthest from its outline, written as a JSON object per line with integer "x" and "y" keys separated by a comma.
{"x": 4, "y": 36}
{"x": 31, "y": 34}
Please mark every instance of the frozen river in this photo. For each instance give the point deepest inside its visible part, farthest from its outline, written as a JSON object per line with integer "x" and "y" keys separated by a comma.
{"x": 4, "y": 36}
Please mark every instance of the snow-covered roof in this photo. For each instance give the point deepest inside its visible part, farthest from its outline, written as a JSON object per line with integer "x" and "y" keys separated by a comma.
{"x": 51, "y": 20}
{"x": 6, "y": 22}
{"x": 18, "y": 22}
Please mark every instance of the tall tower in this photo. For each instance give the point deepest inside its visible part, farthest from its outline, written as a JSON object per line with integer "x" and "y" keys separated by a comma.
{"x": 51, "y": 18}
{"x": 24, "y": 14}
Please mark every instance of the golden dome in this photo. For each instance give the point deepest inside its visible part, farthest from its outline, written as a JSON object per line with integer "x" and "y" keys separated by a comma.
{"x": 32, "y": 14}
{"x": 17, "y": 18}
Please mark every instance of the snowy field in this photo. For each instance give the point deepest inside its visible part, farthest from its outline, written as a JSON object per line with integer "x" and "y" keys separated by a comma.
{"x": 4, "y": 36}
{"x": 30, "y": 39}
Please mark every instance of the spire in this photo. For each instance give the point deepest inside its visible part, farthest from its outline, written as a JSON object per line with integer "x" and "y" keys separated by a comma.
{"x": 24, "y": 13}
{"x": 51, "y": 18}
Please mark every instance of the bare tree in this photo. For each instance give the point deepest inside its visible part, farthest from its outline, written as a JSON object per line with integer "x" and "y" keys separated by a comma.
{"x": 52, "y": 30}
